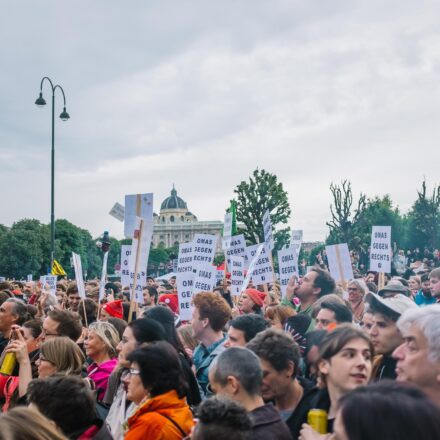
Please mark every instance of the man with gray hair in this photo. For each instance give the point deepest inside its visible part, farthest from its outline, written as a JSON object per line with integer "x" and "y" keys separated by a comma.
{"x": 236, "y": 373}
{"x": 12, "y": 312}
{"x": 418, "y": 357}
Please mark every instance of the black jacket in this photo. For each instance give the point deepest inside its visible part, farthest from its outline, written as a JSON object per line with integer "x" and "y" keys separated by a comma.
{"x": 267, "y": 424}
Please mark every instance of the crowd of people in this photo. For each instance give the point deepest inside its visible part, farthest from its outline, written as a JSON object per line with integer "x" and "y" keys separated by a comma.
{"x": 351, "y": 361}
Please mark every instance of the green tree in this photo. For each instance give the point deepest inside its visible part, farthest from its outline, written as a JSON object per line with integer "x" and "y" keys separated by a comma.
{"x": 24, "y": 249}
{"x": 342, "y": 225}
{"x": 157, "y": 257}
{"x": 423, "y": 220}
{"x": 254, "y": 197}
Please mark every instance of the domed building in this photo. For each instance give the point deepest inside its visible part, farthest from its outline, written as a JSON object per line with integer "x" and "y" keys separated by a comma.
{"x": 175, "y": 224}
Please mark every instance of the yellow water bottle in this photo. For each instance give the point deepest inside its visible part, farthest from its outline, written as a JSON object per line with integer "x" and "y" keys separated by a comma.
{"x": 8, "y": 364}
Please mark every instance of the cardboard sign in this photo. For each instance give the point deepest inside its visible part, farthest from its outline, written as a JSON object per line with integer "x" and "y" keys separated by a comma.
{"x": 204, "y": 248}
{"x": 252, "y": 263}
{"x": 118, "y": 212}
{"x": 204, "y": 278}
{"x": 236, "y": 267}
{"x": 339, "y": 262}
{"x": 288, "y": 266}
{"x": 143, "y": 246}
{"x": 185, "y": 282}
{"x": 79, "y": 275}
{"x": 267, "y": 228}
{"x": 103, "y": 277}
{"x": 185, "y": 258}
{"x": 227, "y": 231}
{"x": 137, "y": 205}
{"x": 262, "y": 272}
{"x": 237, "y": 248}
{"x": 380, "y": 251}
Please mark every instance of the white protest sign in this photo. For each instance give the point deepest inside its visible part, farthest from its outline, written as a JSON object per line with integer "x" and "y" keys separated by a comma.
{"x": 185, "y": 281}
{"x": 118, "y": 212}
{"x": 296, "y": 239}
{"x": 79, "y": 275}
{"x": 140, "y": 249}
{"x": 237, "y": 248}
{"x": 204, "y": 278}
{"x": 288, "y": 266}
{"x": 380, "y": 251}
{"x": 204, "y": 248}
{"x": 219, "y": 275}
{"x": 253, "y": 262}
{"x": 227, "y": 231}
{"x": 339, "y": 262}
{"x": 137, "y": 205}
{"x": 29, "y": 277}
{"x": 125, "y": 264}
{"x": 2, "y": 279}
{"x": 50, "y": 281}
{"x": 185, "y": 258}
{"x": 262, "y": 272}
{"x": 236, "y": 267}
{"x": 267, "y": 228}
{"x": 103, "y": 277}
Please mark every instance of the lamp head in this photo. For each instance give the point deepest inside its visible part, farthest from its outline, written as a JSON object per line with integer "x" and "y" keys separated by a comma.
{"x": 64, "y": 115}
{"x": 40, "y": 101}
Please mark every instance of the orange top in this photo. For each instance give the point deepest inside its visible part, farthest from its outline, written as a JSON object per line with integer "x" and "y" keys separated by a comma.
{"x": 148, "y": 422}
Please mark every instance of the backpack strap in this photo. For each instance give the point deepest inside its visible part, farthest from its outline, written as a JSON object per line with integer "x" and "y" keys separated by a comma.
{"x": 175, "y": 424}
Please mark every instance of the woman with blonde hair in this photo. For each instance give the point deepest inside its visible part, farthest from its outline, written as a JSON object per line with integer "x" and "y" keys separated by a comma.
{"x": 100, "y": 344}
{"x": 57, "y": 356}
{"x": 27, "y": 423}
{"x": 357, "y": 290}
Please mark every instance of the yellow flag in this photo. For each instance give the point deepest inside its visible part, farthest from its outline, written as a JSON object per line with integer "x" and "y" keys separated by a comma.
{"x": 57, "y": 269}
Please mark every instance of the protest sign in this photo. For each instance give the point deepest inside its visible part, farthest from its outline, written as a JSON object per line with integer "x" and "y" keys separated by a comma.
{"x": 185, "y": 258}
{"x": 118, "y": 212}
{"x": 79, "y": 275}
{"x": 267, "y": 228}
{"x": 103, "y": 277}
{"x": 339, "y": 262}
{"x": 50, "y": 281}
{"x": 137, "y": 205}
{"x": 262, "y": 272}
{"x": 236, "y": 267}
{"x": 252, "y": 262}
{"x": 204, "y": 278}
{"x": 140, "y": 249}
{"x": 237, "y": 248}
{"x": 288, "y": 266}
{"x": 204, "y": 248}
{"x": 296, "y": 239}
{"x": 2, "y": 279}
{"x": 227, "y": 231}
{"x": 184, "y": 282}
{"x": 29, "y": 277}
{"x": 380, "y": 251}
{"x": 125, "y": 264}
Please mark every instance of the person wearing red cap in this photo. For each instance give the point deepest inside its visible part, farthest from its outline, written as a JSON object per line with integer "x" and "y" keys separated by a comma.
{"x": 171, "y": 301}
{"x": 251, "y": 301}
{"x": 113, "y": 308}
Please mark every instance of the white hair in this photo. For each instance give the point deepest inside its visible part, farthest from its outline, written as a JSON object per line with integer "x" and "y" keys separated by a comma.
{"x": 360, "y": 284}
{"x": 427, "y": 319}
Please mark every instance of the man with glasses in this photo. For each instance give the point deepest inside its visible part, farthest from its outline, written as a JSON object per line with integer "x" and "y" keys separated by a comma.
{"x": 61, "y": 323}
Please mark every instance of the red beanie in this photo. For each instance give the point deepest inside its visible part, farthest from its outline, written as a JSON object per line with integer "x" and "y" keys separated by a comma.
{"x": 171, "y": 300}
{"x": 256, "y": 296}
{"x": 114, "y": 309}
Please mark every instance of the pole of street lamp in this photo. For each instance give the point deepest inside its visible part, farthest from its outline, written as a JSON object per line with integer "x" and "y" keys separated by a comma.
{"x": 40, "y": 102}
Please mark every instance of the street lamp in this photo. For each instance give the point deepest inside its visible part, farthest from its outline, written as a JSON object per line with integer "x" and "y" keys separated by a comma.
{"x": 40, "y": 102}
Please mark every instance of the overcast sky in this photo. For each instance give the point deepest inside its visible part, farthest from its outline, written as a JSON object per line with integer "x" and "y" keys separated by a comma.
{"x": 200, "y": 93}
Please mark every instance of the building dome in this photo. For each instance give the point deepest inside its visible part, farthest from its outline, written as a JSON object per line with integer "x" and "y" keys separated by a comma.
{"x": 173, "y": 202}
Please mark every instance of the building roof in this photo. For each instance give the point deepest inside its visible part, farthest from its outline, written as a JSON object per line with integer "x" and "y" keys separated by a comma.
{"x": 173, "y": 202}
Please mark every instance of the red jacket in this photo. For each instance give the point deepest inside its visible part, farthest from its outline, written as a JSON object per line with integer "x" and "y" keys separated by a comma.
{"x": 149, "y": 421}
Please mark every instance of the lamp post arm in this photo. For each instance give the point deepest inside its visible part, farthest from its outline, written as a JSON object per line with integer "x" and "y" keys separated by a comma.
{"x": 51, "y": 84}
{"x": 62, "y": 91}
